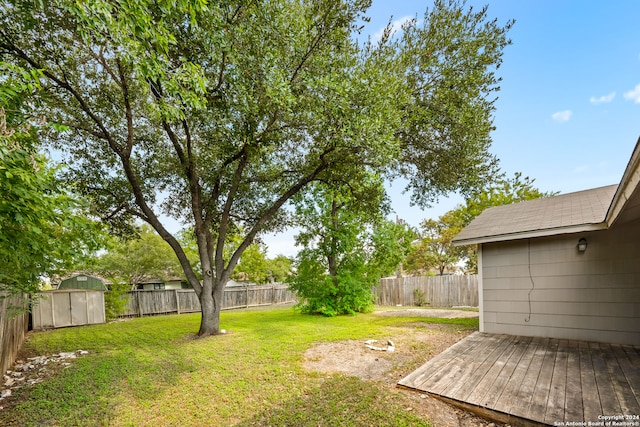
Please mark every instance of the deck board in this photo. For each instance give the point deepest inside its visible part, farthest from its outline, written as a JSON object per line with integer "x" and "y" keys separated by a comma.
{"x": 608, "y": 399}
{"x": 590, "y": 401}
{"x": 631, "y": 372}
{"x": 534, "y": 380}
{"x": 509, "y": 399}
{"x": 477, "y": 370}
{"x": 555, "y": 402}
{"x": 524, "y": 396}
{"x": 542, "y": 387}
{"x": 624, "y": 393}
{"x": 446, "y": 376}
{"x": 492, "y": 378}
{"x": 573, "y": 397}
{"x": 442, "y": 360}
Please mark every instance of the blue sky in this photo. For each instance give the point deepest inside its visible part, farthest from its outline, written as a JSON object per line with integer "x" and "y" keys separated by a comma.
{"x": 568, "y": 112}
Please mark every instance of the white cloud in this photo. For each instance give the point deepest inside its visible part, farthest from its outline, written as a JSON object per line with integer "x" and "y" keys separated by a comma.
{"x": 562, "y": 116}
{"x": 395, "y": 27}
{"x": 633, "y": 95}
{"x": 603, "y": 99}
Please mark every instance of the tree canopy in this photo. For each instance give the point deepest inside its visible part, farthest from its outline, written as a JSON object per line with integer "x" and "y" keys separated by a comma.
{"x": 435, "y": 250}
{"x": 219, "y": 113}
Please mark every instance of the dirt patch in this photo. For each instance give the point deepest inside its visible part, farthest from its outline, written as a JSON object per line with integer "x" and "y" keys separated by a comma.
{"x": 414, "y": 344}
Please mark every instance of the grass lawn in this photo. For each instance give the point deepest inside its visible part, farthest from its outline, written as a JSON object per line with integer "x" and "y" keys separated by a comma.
{"x": 153, "y": 372}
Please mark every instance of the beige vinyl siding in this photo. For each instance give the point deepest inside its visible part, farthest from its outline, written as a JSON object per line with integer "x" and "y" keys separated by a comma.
{"x": 591, "y": 296}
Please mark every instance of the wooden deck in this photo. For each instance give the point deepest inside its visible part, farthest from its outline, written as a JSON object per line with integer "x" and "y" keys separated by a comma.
{"x": 532, "y": 381}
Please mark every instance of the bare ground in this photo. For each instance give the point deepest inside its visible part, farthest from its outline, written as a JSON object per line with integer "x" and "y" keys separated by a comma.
{"x": 414, "y": 344}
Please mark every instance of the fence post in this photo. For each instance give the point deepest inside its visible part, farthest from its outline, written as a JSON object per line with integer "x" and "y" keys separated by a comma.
{"x": 140, "y": 310}
{"x": 177, "y": 300}
{"x": 53, "y": 310}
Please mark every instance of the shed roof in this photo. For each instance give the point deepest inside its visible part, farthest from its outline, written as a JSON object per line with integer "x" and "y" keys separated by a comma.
{"x": 83, "y": 281}
{"x": 587, "y": 210}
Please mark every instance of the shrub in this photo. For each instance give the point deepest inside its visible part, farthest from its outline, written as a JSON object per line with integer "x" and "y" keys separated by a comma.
{"x": 348, "y": 292}
{"x": 115, "y": 300}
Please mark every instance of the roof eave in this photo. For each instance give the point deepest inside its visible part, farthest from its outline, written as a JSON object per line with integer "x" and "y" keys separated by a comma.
{"x": 629, "y": 183}
{"x": 580, "y": 228}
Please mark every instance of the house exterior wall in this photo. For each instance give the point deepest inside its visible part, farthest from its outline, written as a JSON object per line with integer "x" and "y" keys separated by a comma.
{"x": 151, "y": 286}
{"x": 173, "y": 284}
{"x": 592, "y": 296}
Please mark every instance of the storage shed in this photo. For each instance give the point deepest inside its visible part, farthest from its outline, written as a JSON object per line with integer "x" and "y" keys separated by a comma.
{"x": 563, "y": 267}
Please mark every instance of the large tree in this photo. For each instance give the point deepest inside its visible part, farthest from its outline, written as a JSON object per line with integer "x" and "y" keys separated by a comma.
{"x": 219, "y": 113}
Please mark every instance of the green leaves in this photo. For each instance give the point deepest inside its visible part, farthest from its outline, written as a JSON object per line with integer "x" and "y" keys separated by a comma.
{"x": 392, "y": 242}
{"x": 451, "y": 61}
{"x": 136, "y": 260}
{"x": 333, "y": 271}
{"x": 43, "y": 229}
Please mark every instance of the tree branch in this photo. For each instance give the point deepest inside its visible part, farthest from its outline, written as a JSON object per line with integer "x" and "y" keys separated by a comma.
{"x": 275, "y": 207}
{"x": 224, "y": 217}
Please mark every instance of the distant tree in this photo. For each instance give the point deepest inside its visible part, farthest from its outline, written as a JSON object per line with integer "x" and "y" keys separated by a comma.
{"x": 280, "y": 268}
{"x": 391, "y": 242}
{"x": 253, "y": 265}
{"x": 436, "y": 249}
{"x": 135, "y": 260}
{"x": 116, "y": 300}
{"x": 219, "y": 113}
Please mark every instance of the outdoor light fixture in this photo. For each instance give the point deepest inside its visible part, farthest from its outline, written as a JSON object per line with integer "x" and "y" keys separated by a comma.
{"x": 582, "y": 245}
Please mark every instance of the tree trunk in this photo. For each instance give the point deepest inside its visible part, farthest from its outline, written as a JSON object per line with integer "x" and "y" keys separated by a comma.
{"x": 333, "y": 246}
{"x": 211, "y": 304}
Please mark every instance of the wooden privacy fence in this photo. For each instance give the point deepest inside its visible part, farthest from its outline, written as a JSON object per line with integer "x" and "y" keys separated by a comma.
{"x": 68, "y": 307}
{"x": 142, "y": 303}
{"x": 436, "y": 291}
{"x": 14, "y": 321}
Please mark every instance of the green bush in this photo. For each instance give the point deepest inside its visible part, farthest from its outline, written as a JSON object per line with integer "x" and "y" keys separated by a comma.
{"x": 349, "y": 292}
{"x": 116, "y": 299}
{"x": 419, "y": 298}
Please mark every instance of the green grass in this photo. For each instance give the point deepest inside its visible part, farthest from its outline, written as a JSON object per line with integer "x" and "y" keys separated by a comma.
{"x": 152, "y": 371}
